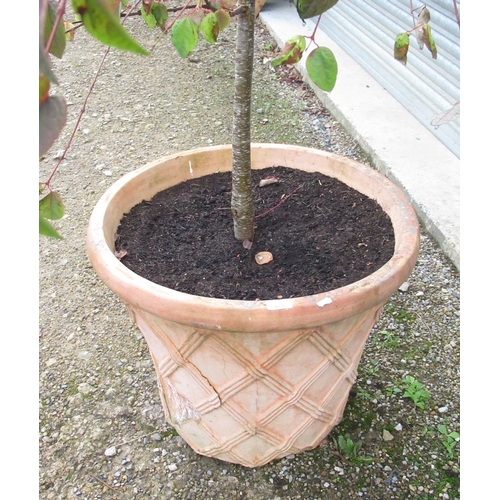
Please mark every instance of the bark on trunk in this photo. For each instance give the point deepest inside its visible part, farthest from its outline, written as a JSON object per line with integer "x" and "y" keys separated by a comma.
{"x": 242, "y": 206}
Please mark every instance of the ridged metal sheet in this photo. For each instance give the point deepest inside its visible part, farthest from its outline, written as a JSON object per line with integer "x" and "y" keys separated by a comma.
{"x": 426, "y": 87}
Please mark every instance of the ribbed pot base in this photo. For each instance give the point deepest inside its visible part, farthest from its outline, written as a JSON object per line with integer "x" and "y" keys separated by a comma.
{"x": 249, "y": 398}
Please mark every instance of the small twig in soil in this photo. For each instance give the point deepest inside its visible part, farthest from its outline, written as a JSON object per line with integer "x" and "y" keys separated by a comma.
{"x": 280, "y": 203}
{"x": 424, "y": 323}
{"x": 104, "y": 483}
{"x": 337, "y": 452}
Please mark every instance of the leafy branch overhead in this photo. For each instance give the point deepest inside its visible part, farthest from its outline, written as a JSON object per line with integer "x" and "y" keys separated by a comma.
{"x": 103, "y": 20}
{"x": 321, "y": 64}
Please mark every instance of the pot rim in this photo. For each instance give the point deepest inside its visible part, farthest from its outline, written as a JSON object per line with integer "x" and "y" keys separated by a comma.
{"x": 263, "y": 315}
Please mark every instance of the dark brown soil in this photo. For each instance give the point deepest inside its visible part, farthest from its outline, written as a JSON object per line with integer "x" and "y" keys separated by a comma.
{"x": 323, "y": 236}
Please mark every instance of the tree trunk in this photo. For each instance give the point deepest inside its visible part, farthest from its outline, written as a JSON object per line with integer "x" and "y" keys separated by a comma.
{"x": 242, "y": 206}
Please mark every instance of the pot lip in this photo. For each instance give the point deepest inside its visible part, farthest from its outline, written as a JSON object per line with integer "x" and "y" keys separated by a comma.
{"x": 311, "y": 309}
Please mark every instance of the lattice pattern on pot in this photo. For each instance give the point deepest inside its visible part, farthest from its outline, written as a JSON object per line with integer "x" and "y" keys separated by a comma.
{"x": 252, "y": 404}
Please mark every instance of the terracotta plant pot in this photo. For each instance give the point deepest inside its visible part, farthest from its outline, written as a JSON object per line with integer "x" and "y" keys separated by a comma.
{"x": 249, "y": 382}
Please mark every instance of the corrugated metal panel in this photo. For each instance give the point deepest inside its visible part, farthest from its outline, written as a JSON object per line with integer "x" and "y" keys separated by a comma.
{"x": 366, "y": 30}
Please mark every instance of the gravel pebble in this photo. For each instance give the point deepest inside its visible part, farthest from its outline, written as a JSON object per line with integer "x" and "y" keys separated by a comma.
{"x": 110, "y": 452}
{"x": 107, "y": 399}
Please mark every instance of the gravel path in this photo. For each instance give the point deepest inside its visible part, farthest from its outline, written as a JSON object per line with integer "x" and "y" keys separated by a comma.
{"x": 102, "y": 431}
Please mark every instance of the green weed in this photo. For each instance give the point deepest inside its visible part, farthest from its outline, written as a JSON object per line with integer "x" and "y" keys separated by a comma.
{"x": 389, "y": 340}
{"x": 347, "y": 447}
{"x": 400, "y": 315}
{"x": 363, "y": 394}
{"x": 350, "y": 449}
{"x": 389, "y": 391}
{"x": 169, "y": 432}
{"x": 373, "y": 370}
{"x": 449, "y": 439}
{"x": 414, "y": 390}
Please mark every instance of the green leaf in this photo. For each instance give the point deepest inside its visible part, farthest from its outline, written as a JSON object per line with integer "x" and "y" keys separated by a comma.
{"x": 312, "y": 8}
{"x": 322, "y": 67}
{"x": 149, "y": 19}
{"x": 401, "y": 46}
{"x": 44, "y": 64}
{"x": 46, "y": 229}
{"x": 429, "y": 41}
{"x": 210, "y": 27}
{"x": 59, "y": 41}
{"x": 105, "y": 27}
{"x": 292, "y": 51}
{"x": 402, "y": 40}
{"x": 160, "y": 12}
{"x": 185, "y": 36}
{"x": 52, "y": 118}
{"x": 51, "y": 206}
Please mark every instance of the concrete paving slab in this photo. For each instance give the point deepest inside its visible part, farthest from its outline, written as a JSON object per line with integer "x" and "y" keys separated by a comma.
{"x": 399, "y": 145}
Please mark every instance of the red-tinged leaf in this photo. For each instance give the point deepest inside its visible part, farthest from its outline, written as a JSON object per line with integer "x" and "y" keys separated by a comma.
{"x": 322, "y": 68}
{"x": 52, "y": 118}
{"x": 146, "y": 5}
{"x": 44, "y": 63}
{"x": 51, "y": 206}
{"x": 59, "y": 41}
{"x": 197, "y": 16}
{"x": 401, "y": 46}
{"x": 223, "y": 18}
{"x": 42, "y": 12}
{"x": 291, "y": 53}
